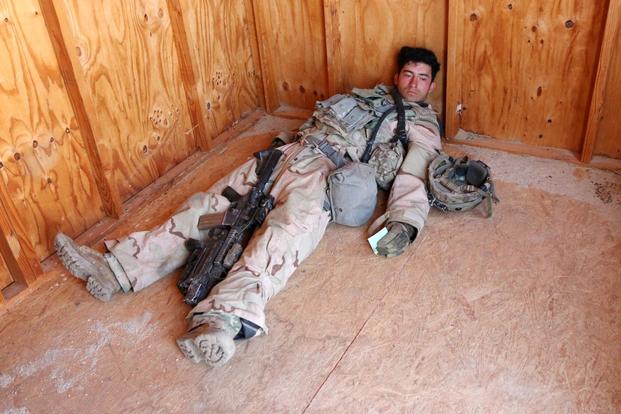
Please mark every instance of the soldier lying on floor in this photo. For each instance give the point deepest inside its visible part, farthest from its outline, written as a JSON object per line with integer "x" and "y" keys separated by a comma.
{"x": 388, "y": 130}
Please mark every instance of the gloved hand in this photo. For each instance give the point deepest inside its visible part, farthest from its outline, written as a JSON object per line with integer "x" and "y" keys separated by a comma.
{"x": 399, "y": 236}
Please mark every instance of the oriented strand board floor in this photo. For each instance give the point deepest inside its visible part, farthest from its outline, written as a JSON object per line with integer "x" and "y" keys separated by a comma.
{"x": 520, "y": 313}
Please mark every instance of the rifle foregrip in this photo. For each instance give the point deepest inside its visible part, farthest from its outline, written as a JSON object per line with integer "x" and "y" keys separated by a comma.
{"x": 198, "y": 291}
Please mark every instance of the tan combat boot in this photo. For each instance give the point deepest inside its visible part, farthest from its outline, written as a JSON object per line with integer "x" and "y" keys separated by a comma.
{"x": 87, "y": 264}
{"x": 211, "y": 341}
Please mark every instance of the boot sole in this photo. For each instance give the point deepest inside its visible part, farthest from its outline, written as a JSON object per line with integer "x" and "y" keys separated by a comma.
{"x": 190, "y": 350}
{"x": 214, "y": 347}
{"x": 212, "y": 350}
{"x": 95, "y": 289}
{"x": 65, "y": 250}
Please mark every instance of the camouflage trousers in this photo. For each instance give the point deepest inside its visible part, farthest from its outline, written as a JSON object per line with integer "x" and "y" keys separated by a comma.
{"x": 289, "y": 234}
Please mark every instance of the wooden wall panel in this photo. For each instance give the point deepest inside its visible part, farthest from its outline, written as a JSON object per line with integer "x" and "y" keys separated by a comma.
{"x": 15, "y": 245}
{"x": 293, "y": 51}
{"x": 47, "y": 183}
{"x": 528, "y": 68}
{"x": 222, "y": 58}
{"x": 372, "y": 31}
{"x": 5, "y": 276}
{"x": 128, "y": 73}
{"x": 609, "y": 132}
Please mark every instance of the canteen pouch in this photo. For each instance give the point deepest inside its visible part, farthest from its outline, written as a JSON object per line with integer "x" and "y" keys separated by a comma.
{"x": 352, "y": 193}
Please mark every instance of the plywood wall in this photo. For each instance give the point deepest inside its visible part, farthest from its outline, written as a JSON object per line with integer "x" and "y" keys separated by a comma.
{"x": 221, "y": 35}
{"x": 608, "y": 141}
{"x": 44, "y": 169}
{"x": 5, "y": 277}
{"x": 293, "y": 55}
{"x": 127, "y": 69}
{"x": 372, "y": 31}
{"x": 101, "y": 98}
{"x": 312, "y": 49}
{"x": 526, "y": 68}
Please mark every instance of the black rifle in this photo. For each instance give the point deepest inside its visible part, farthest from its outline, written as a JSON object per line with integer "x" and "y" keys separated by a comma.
{"x": 227, "y": 234}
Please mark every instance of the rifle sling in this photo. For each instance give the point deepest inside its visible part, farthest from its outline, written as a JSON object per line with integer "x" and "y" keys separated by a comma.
{"x": 400, "y": 133}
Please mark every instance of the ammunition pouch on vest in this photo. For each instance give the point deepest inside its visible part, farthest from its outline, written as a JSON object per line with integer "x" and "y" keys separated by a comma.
{"x": 386, "y": 159}
{"x": 459, "y": 184}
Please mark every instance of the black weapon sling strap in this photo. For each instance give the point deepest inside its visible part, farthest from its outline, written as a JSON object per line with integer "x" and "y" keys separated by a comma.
{"x": 400, "y": 133}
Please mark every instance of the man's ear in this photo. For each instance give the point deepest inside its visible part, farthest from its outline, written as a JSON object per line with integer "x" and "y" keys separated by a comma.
{"x": 396, "y": 78}
{"x": 432, "y": 86}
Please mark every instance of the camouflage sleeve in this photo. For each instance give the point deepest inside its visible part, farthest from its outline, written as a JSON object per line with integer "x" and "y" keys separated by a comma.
{"x": 407, "y": 202}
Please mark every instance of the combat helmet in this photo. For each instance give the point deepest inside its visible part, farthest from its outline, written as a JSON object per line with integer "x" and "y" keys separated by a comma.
{"x": 459, "y": 184}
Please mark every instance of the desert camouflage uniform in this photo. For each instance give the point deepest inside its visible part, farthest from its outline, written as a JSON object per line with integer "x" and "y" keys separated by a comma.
{"x": 293, "y": 228}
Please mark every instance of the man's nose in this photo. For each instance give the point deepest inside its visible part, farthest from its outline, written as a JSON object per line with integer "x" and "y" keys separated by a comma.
{"x": 413, "y": 81}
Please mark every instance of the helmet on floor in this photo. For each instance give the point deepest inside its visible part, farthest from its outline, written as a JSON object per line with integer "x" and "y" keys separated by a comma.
{"x": 459, "y": 184}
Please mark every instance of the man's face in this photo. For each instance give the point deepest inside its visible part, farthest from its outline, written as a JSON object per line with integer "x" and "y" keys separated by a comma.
{"x": 414, "y": 81}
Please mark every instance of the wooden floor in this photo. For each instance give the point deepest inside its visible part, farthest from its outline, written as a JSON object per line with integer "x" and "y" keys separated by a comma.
{"x": 520, "y": 313}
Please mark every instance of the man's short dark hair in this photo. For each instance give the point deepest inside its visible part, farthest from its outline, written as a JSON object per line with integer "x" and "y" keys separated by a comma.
{"x": 409, "y": 54}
